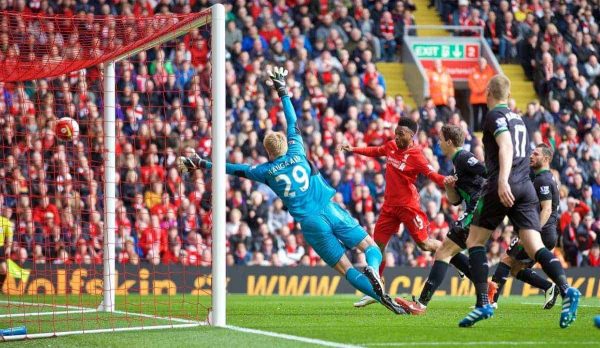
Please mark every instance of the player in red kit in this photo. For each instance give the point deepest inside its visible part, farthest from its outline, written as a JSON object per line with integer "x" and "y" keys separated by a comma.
{"x": 405, "y": 162}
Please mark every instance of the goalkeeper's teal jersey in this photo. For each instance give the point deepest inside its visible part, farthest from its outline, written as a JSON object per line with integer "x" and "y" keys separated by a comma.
{"x": 292, "y": 177}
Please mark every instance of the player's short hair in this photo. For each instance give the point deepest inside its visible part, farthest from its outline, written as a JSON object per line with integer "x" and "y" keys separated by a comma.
{"x": 454, "y": 134}
{"x": 408, "y": 123}
{"x": 499, "y": 87}
{"x": 546, "y": 150}
{"x": 276, "y": 144}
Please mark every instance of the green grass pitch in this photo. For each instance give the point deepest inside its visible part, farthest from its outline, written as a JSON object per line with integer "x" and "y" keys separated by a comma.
{"x": 519, "y": 321}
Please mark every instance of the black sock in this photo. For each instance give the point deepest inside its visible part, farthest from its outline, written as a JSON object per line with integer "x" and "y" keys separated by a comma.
{"x": 461, "y": 262}
{"x": 2, "y": 279}
{"x": 552, "y": 267}
{"x": 500, "y": 277}
{"x": 479, "y": 273}
{"x": 530, "y": 277}
{"x": 436, "y": 277}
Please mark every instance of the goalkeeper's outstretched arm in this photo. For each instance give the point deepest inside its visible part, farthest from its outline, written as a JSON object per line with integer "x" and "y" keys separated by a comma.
{"x": 277, "y": 81}
{"x": 194, "y": 162}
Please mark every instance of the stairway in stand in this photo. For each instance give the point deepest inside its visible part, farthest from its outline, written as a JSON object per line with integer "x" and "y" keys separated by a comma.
{"x": 428, "y": 16}
{"x": 394, "y": 80}
{"x": 521, "y": 90}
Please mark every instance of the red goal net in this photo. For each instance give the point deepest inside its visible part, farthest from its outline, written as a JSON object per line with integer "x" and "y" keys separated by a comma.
{"x": 52, "y": 191}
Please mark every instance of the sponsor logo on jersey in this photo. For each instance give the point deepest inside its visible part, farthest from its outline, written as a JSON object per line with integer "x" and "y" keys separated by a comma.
{"x": 545, "y": 190}
{"x": 501, "y": 122}
{"x": 472, "y": 161}
{"x": 511, "y": 116}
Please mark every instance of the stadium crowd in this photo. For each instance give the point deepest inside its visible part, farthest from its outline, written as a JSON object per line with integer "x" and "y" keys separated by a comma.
{"x": 52, "y": 191}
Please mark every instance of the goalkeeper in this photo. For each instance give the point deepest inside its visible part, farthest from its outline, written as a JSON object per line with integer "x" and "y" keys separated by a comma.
{"x": 327, "y": 227}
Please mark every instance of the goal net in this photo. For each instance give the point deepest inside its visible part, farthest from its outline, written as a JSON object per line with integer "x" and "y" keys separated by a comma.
{"x": 100, "y": 232}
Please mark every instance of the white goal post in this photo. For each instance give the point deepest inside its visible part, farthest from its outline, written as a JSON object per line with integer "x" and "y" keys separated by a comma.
{"x": 217, "y": 56}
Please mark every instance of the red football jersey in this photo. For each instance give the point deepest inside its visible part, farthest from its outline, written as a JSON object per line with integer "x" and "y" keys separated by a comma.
{"x": 402, "y": 169}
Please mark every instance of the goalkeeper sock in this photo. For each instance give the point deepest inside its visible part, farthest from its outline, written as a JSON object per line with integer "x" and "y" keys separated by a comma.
{"x": 552, "y": 267}
{"x": 436, "y": 276}
{"x": 461, "y": 262}
{"x": 500, "y": 277}
{"x": 479, "y": 272}
{"x": 530, "y": 277}
{"x": 373, "y": 256}
{"x": 361, "y": 282}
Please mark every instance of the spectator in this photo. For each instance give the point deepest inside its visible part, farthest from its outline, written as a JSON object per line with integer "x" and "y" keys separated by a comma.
{"x": 242, "y": 256}
{"x": 527, "y": 50}
{"x": 593, "y": 259}
{"x": 441, "y": 85}
{"x": 430, "y": 193}
{"x": 293, "y": 252}
{"x": 509, "y": 36}
{"x": 492, "y": 32}
{"x": 462, "y": 14}
{"x": 388, "y": 29}
{"x": 478, "y": 81}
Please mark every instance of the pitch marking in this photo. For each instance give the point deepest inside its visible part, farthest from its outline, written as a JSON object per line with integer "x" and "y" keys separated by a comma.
{"x": 291, "y": 337}
{"x": 483, "y": 343}
{"x": 540, "y": 304}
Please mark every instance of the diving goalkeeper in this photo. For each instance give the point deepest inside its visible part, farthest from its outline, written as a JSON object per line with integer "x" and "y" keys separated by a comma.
{"x": 327, "y": 227}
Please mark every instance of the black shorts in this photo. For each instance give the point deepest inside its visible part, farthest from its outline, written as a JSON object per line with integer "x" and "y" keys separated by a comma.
{"x": 517, "y": 252}
{"x": 524, "y": 214}
{"x": 460, "y": 230}
{"x": 2, "y": 256}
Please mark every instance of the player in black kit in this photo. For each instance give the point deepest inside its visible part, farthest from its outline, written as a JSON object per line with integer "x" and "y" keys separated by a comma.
{"x": 516, "y": 261}
{"x": 509, "y": 191}
{"x": 464, "y": 185}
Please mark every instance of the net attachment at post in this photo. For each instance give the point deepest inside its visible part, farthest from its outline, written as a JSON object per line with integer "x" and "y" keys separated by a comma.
{"x": 56, "y": 194}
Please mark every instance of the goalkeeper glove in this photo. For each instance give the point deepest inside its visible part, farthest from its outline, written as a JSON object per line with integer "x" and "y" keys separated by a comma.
{"x": 189, "y": 164}
{"x": 277, "y": 76}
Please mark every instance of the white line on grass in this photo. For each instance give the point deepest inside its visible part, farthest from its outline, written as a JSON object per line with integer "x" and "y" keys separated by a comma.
{"x": 79, "y": 332}
{"x": 482, "y": 343}
{"x": 291, "y": 337}
{"x": 180, "y": 320}
{"x": 539, "y": 304}
{"x": 35, "y": 314}
{"x": 40, "y": 304}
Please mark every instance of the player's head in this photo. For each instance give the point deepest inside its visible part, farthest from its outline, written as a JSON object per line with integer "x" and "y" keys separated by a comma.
{"x": 498, "y": 90}
{"x": 541, "y": 157}
{"x": 451, "y": 138}
{"x": 406, "y": 129}
{"x": 276, "y": 144}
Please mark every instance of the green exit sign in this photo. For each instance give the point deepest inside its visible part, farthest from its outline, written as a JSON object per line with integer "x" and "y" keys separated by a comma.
{"x": 445, "y": 51}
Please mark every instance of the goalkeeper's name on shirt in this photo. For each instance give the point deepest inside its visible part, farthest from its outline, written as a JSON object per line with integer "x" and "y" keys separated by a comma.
{"x": 276, "y": 167}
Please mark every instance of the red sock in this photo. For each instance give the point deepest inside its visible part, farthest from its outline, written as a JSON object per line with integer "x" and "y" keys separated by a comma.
{"x": 381, "y": 268}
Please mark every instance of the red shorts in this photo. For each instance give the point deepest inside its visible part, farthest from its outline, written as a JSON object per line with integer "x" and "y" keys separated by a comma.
{"x": 390, "y": 218}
